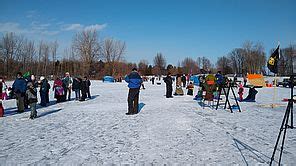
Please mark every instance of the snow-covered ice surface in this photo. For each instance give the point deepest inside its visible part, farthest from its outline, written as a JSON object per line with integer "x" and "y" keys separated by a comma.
{"x": 166, "y": 131}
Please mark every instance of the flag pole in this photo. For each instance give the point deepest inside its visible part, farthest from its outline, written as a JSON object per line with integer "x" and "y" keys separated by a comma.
{"x": 273, "y": 105}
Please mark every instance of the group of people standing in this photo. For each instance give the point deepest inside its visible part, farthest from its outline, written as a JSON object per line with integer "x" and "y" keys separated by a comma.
{"x": 63, "y": 88}
{"x": 24, "y": 90}
{"x": 181, "y": 81}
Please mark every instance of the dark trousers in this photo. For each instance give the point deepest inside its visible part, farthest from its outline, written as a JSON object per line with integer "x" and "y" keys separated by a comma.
{"x": 47, "y": 97}
{"x": 83, "y": 95}
{"x": 88, "y": 93}
{"x": 169, "y": 91}
{"x": 77, "y": 94}
{"x": 43, "y": 99}
{"x": 20, "y": 102}
{"x": 133, "y": 100}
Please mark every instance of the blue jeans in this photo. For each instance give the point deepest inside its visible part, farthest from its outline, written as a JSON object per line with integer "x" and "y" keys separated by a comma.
{"x": 77, "y": 94}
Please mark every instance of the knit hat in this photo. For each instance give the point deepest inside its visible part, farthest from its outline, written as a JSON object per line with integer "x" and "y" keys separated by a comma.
{"x": 29, "y": 84}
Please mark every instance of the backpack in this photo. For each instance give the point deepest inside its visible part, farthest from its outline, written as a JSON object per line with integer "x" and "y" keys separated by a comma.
{"x": 59, "y": 91}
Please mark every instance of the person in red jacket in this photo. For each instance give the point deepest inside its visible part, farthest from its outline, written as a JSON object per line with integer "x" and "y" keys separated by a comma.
{"x": 58, "y": 89}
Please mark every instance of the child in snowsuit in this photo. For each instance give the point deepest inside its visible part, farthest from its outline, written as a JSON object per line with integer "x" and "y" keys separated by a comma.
{"x": 190, "y": 88}
{"x": 32, "y": 99}
{"x": 240, "y": 92}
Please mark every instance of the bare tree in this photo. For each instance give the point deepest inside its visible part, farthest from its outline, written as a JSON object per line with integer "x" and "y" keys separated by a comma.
{"x": 254, "y": 57}
{"x": 113, "y": 51}
{"x": 189, "y": 65}
{"x": 287, "y": 57}
{"x": 224, "y": 65}
{"x": 198, "y": 61}
{"x": 143, "y": 67}
{"x": 44, "y": 57}
{"x": 53, "y": 49}
{"x": 159, "y": 64}
{"x": 86, "y": 46}
{"x": 8, "y": 49}
{"x": 28, "y": 58}
{"x": 237, "y": 60}
{"x": 206, "y": 64}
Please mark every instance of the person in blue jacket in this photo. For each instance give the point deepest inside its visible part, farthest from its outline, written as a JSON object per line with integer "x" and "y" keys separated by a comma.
{"x": 19, "y": 88}
{"x": 219, "y": 78}
{"x": 134, "y": 81}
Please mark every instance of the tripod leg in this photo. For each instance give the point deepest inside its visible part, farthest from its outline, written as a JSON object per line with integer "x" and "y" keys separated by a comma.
{"x": 285, "y": 131}
{"x": 291, "y": 109}
{"x": 279, "y": 136}
{"x": 226, "y": 95}
{"x": 220, "y": 89}
{"x": 235, "y": 99}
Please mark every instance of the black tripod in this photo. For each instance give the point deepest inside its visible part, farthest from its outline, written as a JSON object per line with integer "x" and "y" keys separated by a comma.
{"x": 285, "y": 125}
{"x": 229, "y": 87}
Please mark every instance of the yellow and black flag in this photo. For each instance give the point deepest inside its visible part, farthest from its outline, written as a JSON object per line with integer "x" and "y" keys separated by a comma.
{"x": 273, "y": 60}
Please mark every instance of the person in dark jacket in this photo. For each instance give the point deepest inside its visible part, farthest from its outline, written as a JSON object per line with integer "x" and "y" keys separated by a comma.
{"x": 190, "y": 88}
{"x": 76, "y": 87}
{"x": 19, "y": 87}
{"x": 47, "y": 91}
{"x": 169, "y": 85}
{"x": 134, "y": 81}
{"x": 153, "y": 79}
{"x": 84, "y": 87}
{"x": 43, "y": 90}
{"x": 252, "y": 95}
{"x": 88, "y": 87}
{"x": 183, "y": 78}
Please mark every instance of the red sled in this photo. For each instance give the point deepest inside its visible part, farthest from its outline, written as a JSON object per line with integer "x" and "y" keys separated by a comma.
{"x": 286, "y": 100}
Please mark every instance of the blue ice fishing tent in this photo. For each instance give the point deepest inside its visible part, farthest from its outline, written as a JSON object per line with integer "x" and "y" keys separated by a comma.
{"x": 195, "y": 80}
{"x": 108, "y": 79}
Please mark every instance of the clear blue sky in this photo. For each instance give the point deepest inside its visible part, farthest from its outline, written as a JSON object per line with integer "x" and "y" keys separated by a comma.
{"x": 178, "y": 29}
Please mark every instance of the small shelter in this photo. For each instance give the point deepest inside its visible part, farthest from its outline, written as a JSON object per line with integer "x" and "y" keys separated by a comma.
{"x": 256, "y": 80}
{"x": 108, "y": 79}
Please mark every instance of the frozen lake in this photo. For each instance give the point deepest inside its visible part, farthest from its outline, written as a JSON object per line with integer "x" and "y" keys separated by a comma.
{"x": 166, "y": 131}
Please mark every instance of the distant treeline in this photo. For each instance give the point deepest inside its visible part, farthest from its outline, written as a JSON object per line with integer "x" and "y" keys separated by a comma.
{"x": 95, "y": 57}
